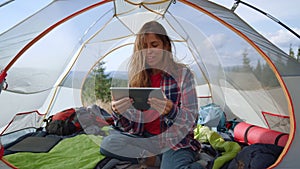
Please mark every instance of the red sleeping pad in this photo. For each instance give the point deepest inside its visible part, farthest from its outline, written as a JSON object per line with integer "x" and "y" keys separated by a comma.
{"x": 251, "y": 134}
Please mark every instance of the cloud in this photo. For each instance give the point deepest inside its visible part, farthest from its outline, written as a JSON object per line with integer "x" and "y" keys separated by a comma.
{"x": 218, "y": 40}
{"x": 284, "y": 38}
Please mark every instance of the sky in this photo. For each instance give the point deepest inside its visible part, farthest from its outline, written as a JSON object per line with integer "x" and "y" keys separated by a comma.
{"x": 285, "y": 11}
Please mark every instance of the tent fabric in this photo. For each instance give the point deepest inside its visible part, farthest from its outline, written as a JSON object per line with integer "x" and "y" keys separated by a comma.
{"x": 3, "y": 163}
{"x": 6, "y": 165}
{"x": 40, "y": 93}
{"x": 234, "y": 66}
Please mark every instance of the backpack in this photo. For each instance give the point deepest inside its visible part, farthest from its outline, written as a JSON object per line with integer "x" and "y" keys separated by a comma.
{"x": 63, "y": 123}
{"x": 93, "y": 118}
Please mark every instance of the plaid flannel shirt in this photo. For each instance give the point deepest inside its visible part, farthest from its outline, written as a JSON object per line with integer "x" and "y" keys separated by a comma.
{"x": 178, "y": 125}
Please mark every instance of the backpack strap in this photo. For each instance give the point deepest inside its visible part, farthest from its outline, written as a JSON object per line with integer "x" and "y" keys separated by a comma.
{"x": 246, "y": 134}
{"x": 278, "y": 138}
{"x": 74, "y": 119}
{"x": 48, "y": 120}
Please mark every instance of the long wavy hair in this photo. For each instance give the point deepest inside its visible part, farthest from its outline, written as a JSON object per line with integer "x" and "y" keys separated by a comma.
{"x": 139, "y": 71}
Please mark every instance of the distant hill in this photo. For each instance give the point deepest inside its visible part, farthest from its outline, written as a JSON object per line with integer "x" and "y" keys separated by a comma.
{"x": 75, "y": 79}
{"x": 118, "y": 75}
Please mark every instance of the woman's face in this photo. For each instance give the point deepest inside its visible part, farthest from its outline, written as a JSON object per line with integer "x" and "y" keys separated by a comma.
{"x": 153, "y": 50}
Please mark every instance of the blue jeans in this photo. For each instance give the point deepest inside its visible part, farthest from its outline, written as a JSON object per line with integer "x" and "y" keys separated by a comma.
{"x": 126, "y": 147}
{"x": 184, "y": 158}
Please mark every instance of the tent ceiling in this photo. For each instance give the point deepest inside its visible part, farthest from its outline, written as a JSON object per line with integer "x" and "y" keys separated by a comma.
{"x": 138, "y": 9}
{"x": 242, "y": 68}
{"x": 213, "y": 51}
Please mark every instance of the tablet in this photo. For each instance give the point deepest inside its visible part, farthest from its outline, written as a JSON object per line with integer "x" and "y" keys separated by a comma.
{"x": 139, "y": 95}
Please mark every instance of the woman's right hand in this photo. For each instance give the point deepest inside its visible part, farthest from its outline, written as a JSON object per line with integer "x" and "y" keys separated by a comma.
{"x": 121, "y": 105}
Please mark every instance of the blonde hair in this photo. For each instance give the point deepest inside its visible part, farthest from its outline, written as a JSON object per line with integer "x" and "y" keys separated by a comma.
{"x": 139, "y": 72}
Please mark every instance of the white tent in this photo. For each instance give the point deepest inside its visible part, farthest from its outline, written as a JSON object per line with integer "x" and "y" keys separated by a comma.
{"x": 48, "y": 56}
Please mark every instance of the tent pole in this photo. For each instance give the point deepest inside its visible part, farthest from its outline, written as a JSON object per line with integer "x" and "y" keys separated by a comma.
{"x": 3, "y": 84}
{"x": 266, "y": 14}
{"x": 235, "y": 5}
{"x": 5, "y": 3}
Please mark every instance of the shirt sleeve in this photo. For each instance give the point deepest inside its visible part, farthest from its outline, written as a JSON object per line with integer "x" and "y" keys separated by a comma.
{"x": 129, "y": 121}
{"x": 182, "y": 119}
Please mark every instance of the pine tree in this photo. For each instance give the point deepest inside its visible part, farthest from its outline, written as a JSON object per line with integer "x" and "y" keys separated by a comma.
{"x": 291, "y": 52}
{"x": 102, "y": 83}
{"x": 258, "y": 70}
{"x": 96, "y": 86}
{"x": 246, "y": 62}
{"x": 298, "y": 55}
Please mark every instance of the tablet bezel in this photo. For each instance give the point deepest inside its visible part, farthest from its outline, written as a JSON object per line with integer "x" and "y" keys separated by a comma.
{"x": 139, "y": 95}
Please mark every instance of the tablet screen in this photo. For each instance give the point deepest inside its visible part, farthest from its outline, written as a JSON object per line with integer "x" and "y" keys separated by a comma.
{"x": 139, "y": 95}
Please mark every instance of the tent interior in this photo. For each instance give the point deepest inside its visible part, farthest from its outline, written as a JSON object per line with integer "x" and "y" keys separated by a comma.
{"x": 50, "y": 54}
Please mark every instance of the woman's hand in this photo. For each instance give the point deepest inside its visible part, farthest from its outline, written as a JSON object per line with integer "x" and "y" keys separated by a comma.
{"x": 121, "y": 105}
{"x": 162, "y": 106}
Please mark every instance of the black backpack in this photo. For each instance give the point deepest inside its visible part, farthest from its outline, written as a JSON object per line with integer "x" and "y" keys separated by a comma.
{"x": 63, "y": 123}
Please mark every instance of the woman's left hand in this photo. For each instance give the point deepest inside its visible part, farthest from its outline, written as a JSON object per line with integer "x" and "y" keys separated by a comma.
{"x": 162, "y": 106}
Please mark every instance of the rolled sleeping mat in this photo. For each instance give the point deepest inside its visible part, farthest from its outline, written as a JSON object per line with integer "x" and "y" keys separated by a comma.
{"x": 251, "y": 134}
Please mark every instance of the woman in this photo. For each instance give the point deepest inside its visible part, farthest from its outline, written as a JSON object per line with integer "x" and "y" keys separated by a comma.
{"x": 163, "y": 135}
